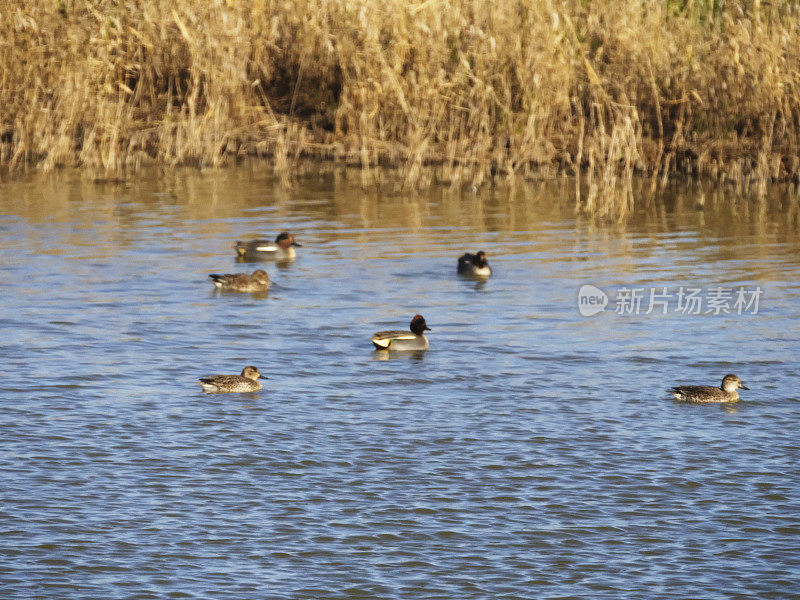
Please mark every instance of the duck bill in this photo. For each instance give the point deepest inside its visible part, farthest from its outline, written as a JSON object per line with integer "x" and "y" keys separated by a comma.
{"x": 263, "y": 377}
{"x": 743, "y": 386}
{"x": 296, "y": 244}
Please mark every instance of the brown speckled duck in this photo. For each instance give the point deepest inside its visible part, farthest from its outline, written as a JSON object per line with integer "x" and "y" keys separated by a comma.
{"x": 242, "y": 282}
{"x": 708, "y": 393}
{"x": 248, "y": 381}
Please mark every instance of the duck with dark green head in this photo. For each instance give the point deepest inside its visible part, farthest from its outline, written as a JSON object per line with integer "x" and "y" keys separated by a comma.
{"x": 283, "y": 248}
{"x": 475, "y": 265}
{"x": 409, "y": 340}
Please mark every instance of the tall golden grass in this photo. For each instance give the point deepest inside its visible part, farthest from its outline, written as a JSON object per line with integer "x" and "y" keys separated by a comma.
{"x": 597, "y": 88}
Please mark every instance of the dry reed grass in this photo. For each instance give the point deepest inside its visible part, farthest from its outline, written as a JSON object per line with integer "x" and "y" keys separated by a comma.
{"x": 600, "y": 89}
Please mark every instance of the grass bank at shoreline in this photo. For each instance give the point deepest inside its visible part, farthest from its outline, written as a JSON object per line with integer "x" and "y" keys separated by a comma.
{"x": 597, "y": 88}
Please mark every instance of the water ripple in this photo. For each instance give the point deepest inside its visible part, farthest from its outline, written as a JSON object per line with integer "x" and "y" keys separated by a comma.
{"x": 529, "y": 453}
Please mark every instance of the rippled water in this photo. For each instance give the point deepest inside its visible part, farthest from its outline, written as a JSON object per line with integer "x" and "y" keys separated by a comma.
{"x": 530, "y": 453}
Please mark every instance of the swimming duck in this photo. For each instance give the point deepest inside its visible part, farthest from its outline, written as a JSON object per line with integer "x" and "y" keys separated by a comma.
{"x": 474, "y": 264}
{"x": 248, "y": 381}
{"x": 708, "y": 393}
{"x": 404, "y": 340}
{"x": 242, "y": 282}
{"x": 281, "y": 249}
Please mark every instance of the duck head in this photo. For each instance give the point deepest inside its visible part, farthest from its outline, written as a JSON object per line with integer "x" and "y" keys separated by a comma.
{"x": 479, "y": 260}
{"x": 285, "y": 240}
{"x": 730, "y": 383}
{"x": 251, "y": 372}
{"x": 260, "y": 275}
{"x": 418, "y": 325}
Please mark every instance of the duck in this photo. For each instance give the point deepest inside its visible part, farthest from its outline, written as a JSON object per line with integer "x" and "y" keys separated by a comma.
{"x": 248, "y": 381}
{"x": 242, "y": 282}
{"x": 726, "y": 392}
{"x": 283, "y": 248}
{"x": 404, "y": 340}
{"x": 474, "y": 264}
